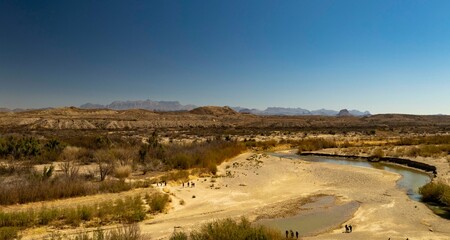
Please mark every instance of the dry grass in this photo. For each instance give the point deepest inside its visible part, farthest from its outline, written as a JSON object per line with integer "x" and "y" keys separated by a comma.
{"x": 122, "y": 172}
{"x": 228, "y": 229}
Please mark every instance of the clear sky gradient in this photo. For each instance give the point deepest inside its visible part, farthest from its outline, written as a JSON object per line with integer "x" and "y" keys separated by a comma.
{"x": 382, "y": 56}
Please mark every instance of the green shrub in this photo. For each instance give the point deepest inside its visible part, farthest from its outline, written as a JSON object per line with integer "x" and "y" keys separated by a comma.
{"x": 157, "y": 202}
{"x": 436, "y": 192}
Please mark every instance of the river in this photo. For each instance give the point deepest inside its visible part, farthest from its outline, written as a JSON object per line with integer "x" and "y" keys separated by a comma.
{"x": 318, "y": 220}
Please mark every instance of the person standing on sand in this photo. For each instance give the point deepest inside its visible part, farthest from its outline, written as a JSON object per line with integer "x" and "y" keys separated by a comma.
{"x": 296, "y": 234}
{"x": 292, "y": 234}
{"x": 287, "y": 233}
{"x": 350, "y": 228}
{"x": 346, "y": 228}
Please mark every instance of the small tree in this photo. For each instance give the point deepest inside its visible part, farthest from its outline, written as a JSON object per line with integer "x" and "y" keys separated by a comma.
{"x": 69, "y": 169}
{"x": 105, "y": 163}
{"x": 152, "y": 154}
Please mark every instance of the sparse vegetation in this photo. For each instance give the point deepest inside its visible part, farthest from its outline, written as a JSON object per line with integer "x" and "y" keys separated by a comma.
{"x": 126, "y": 232}
{"x": 127, "y": 210}
{"x": 228, "y": 229}
{"x": 32, "y": 188}
{"x": 173, "y": 154}
{"x": 202, "y": 155}
{"x": 314, "y": 144}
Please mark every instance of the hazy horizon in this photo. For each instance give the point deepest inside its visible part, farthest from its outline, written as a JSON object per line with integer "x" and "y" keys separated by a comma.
{"x": 379, "y": 56}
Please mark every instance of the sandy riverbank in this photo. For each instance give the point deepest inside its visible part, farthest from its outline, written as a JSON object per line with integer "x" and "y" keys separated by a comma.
{"x": 252, "y": 185}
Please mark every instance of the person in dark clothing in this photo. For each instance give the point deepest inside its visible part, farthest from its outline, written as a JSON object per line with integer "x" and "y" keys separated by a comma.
{"x": 346, "y": 228}
{"x": 296, "y": 234}
{"x": 350, "y": 228}
{"x": 292, "y": 234}
{"x": 287, "y": 233}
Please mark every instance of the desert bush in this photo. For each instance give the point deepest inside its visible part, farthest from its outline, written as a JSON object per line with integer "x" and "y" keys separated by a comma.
{"x": 157, "y": 202}
{"x": 105, "y": 162}
{"x": 124, "y": 156}
{"x": 34, "y": 188}
{"x": 228, "y": 229}
{"x": 176, "y": 175}
{"x": 179, "y": 236}
{"x": 428, "y": 150}
{"x": 436, "y": 192}
{"x": 427, "y": 140}
{"x": 377, "y": 153}
{"x": 314, "y": 144}
{"x": 127, "y": 210}
{"x": 51, "y": 151}
{"x": 19, "y": 168}
{"x": 122, "y": 171}
{"x": 263, "y": 145}
{"x": 126, "y": 232}
{"x": 93, "y": 142}
{"x": 19, "y": 147}
{"x": 8, "y": 233}
{"x": 202, "y": 155}
{"x": 70, "y": 169}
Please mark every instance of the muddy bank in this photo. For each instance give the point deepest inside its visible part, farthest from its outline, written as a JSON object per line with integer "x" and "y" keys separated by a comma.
{"x": 401, "y": 161}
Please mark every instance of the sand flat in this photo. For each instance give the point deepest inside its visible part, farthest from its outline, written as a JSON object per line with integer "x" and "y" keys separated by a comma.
{"x": 251, "y": 185}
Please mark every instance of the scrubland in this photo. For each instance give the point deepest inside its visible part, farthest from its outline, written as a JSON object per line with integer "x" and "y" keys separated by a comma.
{"x": 43, "y": 164}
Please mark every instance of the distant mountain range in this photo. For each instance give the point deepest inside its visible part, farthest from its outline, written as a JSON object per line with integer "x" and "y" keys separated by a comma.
{"x": 298, "y": 111}
{"x": 163, "y": 106}
{"x": 168, "y": 106}
{"x": 172, "y": 106}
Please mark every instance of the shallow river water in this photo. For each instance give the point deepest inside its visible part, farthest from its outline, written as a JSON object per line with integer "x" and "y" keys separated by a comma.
{"x": 324, "y": 214}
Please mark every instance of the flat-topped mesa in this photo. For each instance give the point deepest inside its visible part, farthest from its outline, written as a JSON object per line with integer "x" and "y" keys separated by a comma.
{"x": 214, "y": 110}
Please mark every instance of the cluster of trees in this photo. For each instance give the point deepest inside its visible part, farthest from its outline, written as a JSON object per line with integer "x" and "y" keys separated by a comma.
{"x": 29, "y": 148}
{"x": 115, "y": 160}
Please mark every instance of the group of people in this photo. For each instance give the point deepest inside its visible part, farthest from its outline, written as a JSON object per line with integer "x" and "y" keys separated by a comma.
{"x": 348, "y": 228}
{"x": 291, "y": 234}
{"x": 190, "y": 184}
{"x": 162, "y": 184}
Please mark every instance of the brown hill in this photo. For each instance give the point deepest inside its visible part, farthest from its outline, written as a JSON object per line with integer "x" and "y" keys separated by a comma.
{"x": 214, "y": 110}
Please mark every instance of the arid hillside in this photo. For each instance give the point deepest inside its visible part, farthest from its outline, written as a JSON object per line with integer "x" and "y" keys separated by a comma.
{"x": 214, "y": 118}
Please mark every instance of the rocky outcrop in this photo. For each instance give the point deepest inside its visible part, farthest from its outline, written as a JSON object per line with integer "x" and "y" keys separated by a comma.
{"x": 344, "y": 113}
{"x": 213, "y": 110}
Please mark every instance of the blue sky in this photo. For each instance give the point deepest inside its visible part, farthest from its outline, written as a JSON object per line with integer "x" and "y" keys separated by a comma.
{"x": 382, "y": 56}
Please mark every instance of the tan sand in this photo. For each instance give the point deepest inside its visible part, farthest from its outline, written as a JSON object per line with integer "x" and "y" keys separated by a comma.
{"x": 385, "y": 211}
